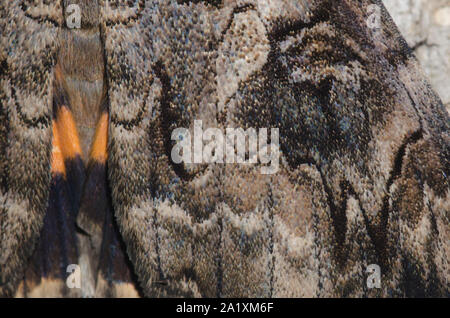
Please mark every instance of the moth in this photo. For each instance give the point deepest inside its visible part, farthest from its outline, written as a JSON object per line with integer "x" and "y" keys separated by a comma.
{"x": 87, "y": 176}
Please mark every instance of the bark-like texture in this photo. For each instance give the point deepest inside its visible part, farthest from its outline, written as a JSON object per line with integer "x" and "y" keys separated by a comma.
{"x": 364, "y": 149}
{"x": 353, "y": 109}
{"x": 28, "y": 55}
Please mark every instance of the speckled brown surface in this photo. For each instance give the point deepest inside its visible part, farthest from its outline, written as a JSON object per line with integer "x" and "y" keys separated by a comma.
{"x": 364, "y": 149}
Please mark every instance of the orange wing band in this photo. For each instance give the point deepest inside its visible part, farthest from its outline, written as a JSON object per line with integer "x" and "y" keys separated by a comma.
{"x": 67, "y": 129}
{"x": 99, "y": 152}
{"x": 58, "y": 166}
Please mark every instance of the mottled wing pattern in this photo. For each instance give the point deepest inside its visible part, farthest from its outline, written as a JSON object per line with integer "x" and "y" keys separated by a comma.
{"x": 55, "y": 203}
{"x": 28, "y": 55}
{"x": 362, "y": 177}
{"x": 364, "y": 143}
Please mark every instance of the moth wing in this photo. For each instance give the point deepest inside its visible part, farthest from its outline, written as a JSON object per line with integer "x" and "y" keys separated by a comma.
{"x": 28, "y": 55}
{"x": 130, "y": 82}
{"x": 354, "y": 185}
{"x": 53, "y": 269}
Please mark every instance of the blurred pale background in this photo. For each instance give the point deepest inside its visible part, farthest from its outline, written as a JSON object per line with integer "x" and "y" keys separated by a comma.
{"x": 425, "y": 24}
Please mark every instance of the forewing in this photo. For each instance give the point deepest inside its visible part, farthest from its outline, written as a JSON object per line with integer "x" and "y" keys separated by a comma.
{"x": 363, "y": 140}
{"x": 28, "y": 55}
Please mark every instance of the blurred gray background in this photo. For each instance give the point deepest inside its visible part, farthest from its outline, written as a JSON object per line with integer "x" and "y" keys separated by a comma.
{"x": 425, "y": 24}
